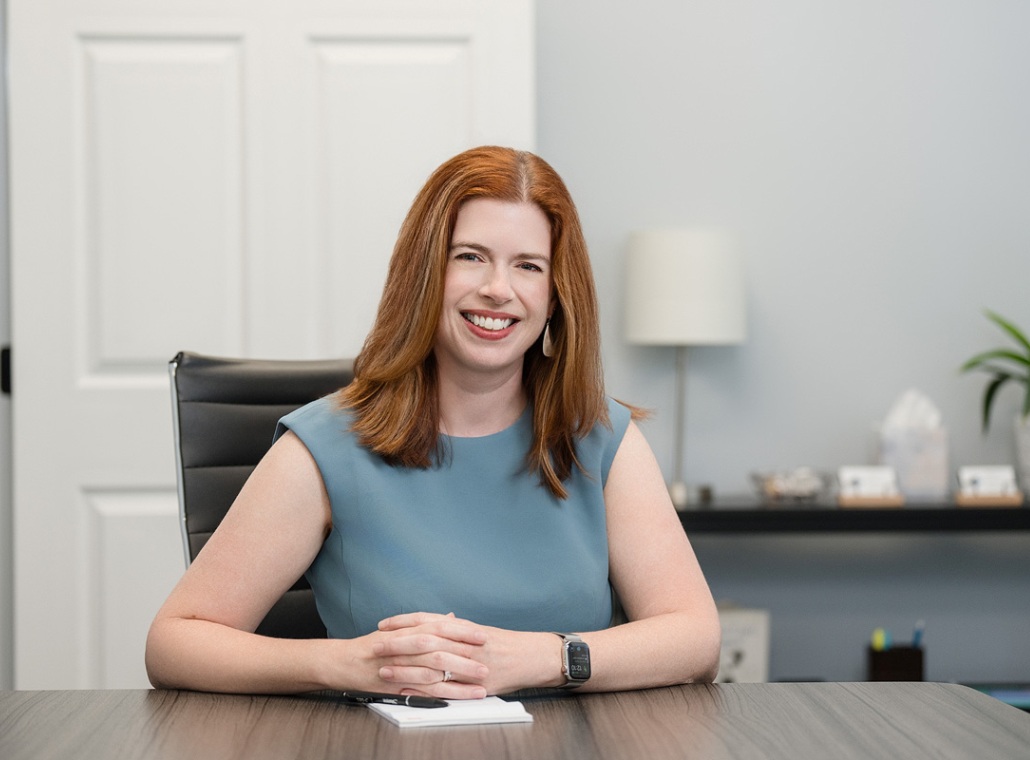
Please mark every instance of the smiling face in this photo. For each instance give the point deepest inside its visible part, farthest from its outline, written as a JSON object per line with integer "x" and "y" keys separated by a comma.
{"x": 497, "y": 287}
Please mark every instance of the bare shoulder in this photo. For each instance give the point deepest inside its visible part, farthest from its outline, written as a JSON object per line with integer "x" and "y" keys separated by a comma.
{"x": 284, "y": 497}
{"x": 635, "y": 476}
{"x": 290, "y": 457}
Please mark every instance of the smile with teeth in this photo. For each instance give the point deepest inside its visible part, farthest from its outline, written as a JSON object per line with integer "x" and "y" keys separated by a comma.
{"x": 488, "y": 323}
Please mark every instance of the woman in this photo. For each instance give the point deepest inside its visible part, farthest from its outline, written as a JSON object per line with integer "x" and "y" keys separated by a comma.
{"x": 471, "y": 494}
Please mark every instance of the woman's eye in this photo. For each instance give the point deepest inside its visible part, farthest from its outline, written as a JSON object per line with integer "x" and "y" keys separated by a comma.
{"x": 529, "y": 267}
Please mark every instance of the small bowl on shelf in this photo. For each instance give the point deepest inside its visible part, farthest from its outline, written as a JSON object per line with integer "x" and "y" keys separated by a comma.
{"x": 802, "y": 485}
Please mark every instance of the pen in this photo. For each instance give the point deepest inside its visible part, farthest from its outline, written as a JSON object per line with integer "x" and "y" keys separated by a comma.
{"x": 881, "y": 640}
{"x": 365, "y": 697}
{"x": 917, "y": 635}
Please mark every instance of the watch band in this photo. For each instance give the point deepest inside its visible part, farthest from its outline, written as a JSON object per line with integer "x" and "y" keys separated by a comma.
{"x": 575, "y": 660}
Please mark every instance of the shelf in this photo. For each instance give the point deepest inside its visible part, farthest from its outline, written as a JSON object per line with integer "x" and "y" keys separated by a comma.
{"x": 746, "y": 516}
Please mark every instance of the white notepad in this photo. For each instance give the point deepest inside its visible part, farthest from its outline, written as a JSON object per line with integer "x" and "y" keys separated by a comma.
{"x": 459, "y": 712}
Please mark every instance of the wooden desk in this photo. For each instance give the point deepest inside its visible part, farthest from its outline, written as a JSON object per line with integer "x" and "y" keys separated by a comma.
{"x": 791, "y": 721}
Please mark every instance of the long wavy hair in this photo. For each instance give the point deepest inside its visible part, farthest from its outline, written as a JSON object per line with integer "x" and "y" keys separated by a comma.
{"x": 393, "y": 397}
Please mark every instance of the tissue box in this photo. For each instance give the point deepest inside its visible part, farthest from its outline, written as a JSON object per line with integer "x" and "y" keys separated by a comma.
{"x": 744, "y": 657}
{"x": 913, "y": 441}
{"x": 920, "y": 458}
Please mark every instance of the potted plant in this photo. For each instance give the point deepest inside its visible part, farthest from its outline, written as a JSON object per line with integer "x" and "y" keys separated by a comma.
{"x": 1006, "y": 365}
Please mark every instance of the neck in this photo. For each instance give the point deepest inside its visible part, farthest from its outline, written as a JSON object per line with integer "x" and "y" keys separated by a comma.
{"x": 474, "y": 407}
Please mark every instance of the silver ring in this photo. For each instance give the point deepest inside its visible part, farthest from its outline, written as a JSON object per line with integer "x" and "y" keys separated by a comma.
{"x": 447, "y": 675}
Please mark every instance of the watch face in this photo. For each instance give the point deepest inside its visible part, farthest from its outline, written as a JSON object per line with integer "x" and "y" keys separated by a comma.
{"x": 578, "y": 654}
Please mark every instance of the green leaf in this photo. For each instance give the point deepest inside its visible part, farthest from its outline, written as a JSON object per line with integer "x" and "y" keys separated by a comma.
{"x": 978, "y": 361}
{"x": 989, "y": 394}
{"x": 996, "y": 370}
{"x": 996, "y": 363}
{"x": 1010, "y": 328}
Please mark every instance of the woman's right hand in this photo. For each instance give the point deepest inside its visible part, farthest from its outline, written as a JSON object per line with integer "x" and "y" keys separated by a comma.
{"x": 427, "y": 653}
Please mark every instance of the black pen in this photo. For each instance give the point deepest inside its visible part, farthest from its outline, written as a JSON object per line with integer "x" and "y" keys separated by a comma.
{"x": 365, "y": 697}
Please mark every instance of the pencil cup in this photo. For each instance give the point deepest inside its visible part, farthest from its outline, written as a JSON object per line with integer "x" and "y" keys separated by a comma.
{"x": 896, "y": 664}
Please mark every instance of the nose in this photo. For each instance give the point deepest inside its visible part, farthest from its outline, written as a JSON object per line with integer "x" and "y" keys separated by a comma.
{"x": 497, "y": 285}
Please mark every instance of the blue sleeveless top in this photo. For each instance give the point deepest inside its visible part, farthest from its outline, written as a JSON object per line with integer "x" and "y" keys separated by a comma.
{"x": 476, "y": 534}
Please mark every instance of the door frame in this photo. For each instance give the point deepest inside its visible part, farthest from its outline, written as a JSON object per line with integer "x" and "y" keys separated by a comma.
{"x": 6, "y": 491}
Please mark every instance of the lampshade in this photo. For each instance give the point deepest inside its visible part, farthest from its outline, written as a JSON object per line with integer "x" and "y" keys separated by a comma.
{"x": 684, "y": 287}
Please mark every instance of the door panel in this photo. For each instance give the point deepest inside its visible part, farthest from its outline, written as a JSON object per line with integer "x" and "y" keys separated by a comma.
{"x": 163, "y": 190}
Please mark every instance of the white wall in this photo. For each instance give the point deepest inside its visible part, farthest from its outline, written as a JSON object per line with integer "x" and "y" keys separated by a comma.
{"x": 873, "y": 159}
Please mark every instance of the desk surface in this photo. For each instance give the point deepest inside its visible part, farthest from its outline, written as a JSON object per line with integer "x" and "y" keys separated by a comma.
{"x": 793, "y": 720}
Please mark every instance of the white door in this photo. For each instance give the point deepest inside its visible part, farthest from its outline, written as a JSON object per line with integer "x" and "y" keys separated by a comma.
{"x": 223, "y": 176}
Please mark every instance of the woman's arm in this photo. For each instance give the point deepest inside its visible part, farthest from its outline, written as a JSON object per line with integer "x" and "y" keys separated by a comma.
{"x": 202, "y": 637}
{"x": 673, "y": 635}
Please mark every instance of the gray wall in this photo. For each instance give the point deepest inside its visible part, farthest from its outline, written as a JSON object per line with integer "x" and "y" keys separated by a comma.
{"x": 873, "y": 160}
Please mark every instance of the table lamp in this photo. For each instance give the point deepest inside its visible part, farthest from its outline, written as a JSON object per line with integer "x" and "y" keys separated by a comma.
{"x": 684, "y": 287}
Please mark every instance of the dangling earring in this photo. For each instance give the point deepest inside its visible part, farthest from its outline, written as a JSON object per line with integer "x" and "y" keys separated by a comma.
{"x": 548, "y": 346}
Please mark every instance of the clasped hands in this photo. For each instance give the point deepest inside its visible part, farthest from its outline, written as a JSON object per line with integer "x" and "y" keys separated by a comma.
{"x": 452, "y": 658}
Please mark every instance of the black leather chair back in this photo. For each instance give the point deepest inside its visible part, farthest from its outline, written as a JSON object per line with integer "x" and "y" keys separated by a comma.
{"x": 225, "y": 412}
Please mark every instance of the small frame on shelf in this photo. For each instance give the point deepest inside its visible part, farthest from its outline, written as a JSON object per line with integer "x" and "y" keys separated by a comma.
{"x": 869, "y": 487}
{"x": 991, "y": 486}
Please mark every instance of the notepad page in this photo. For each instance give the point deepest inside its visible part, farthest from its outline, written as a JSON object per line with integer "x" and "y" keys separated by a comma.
{"x": 459, "y": 712}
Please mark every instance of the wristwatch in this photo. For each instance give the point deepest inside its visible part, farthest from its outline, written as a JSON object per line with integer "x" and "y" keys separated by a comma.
{"x": 575, "y": 660}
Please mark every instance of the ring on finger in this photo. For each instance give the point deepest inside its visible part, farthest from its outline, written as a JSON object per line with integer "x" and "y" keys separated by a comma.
{"x": 447, "y": 675}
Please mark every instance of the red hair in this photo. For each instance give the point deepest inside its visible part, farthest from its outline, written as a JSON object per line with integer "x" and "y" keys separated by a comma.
{"x": 393, "y": 395}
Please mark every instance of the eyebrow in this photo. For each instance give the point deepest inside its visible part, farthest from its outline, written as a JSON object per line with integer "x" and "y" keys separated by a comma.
{"x": 484, "y": 249}
{"x": 473, "y": 246}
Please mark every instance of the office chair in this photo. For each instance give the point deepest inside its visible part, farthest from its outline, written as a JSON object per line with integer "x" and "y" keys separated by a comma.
{"x": 224, "y": 413}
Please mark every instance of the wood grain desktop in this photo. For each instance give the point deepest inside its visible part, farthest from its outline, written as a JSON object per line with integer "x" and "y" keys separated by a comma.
{"x": 790, "y": 721}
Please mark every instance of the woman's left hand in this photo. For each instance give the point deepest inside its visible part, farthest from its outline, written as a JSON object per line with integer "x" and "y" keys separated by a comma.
{"x": 512, "y": 660}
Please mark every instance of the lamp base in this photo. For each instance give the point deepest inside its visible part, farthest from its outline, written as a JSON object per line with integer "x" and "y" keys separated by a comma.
{"x": 678, "y": 493}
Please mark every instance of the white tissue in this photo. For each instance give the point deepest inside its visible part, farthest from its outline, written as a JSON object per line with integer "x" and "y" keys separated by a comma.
{"x": 913, "y": 410}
